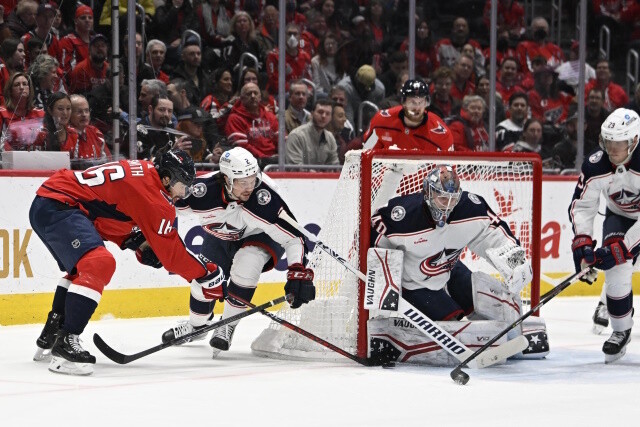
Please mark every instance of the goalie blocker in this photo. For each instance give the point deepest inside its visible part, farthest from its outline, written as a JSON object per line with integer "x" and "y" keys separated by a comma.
{"x": 405, "y": 339}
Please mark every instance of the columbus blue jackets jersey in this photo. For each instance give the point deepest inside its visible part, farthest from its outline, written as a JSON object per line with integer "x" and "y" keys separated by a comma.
{"x": 233, "y": 220}
{"x": 620, "y": 186}
{"x": 430, "y": 252}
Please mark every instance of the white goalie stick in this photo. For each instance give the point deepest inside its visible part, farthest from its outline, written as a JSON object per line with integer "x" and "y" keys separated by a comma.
{"x": 423, "y": 323}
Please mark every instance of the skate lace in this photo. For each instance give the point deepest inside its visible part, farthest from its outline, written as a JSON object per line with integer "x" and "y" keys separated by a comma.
{"x": 225, "y": 332}
{"x": 617, "y": 337}
{"x": 75, "y": 343}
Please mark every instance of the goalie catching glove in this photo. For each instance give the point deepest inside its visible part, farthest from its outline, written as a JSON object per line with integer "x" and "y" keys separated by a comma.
{"x": 300, "y": 284}
{"x": 138, "y": 243}
{"x": 512, "y": 264}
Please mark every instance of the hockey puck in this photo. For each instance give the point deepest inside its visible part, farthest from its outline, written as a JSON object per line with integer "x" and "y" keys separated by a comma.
{"x": 388, "y": 365}
{"x": 459, "y": 377}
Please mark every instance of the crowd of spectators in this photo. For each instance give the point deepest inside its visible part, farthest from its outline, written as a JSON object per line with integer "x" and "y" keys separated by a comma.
{"x": 207, "y": 77}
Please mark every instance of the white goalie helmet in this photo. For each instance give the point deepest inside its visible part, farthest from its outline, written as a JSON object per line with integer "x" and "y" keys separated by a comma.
{"x": 621, "y": 125}
{"x": 442, "y": 192}
{"x": 239, "y": 163}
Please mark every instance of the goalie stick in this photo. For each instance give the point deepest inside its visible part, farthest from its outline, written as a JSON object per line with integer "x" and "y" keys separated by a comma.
{"x": 312, "y": 337}
{"x": 462, "y": 378}
{"x": 425, "y": 325}
{"x": 123, "y": 359}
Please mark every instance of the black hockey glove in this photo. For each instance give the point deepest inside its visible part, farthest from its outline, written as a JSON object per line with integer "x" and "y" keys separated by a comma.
{"x": 146, "y": 256}
{"x": 135, "y": 239}
{"x": 300, "y": 284}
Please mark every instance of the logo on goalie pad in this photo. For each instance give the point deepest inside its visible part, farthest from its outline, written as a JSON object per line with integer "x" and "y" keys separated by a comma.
{"x": 199, "y": 189}
{"x": 264, "y": 197}
{"x": 398, "y": 213}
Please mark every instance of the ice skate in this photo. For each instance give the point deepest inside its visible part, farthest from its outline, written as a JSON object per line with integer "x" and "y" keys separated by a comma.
{"x": 47, "y": 337}
{"x": 183, "y": 328}
{"x": 221, "y": 339}
{"x": 600, "y": 318}
{"x": 68, "y": 356}
{"x": 616, "y": 346}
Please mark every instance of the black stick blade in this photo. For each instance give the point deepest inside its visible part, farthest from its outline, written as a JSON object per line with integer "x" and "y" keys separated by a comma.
{"x": 104, "y": 348}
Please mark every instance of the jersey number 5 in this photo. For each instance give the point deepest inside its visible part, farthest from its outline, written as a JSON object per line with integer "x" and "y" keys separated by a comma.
{"x": 96, "y": 175}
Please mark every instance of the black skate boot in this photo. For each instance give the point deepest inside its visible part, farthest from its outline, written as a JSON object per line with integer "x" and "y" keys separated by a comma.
{"x": 616, "y": 346}
{"x": 221, "y": 339}
{"x": 600, "y": 318}
{"x": 68, "y": 356}
{"x": 183, "y": 328}
{"x": 47, "y": 337}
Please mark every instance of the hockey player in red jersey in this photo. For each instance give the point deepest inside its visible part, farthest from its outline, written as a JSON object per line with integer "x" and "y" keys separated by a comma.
{"x": 410, "y": 125}
{"x": 129, "y": 203}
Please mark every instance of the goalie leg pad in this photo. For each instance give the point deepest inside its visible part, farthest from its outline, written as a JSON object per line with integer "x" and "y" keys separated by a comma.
{"x": 534, "y": 329}
{"x": 384, "y": 279}
{"x": 437, "y": 305}
{"x": 491, "y": 301}
{"x": 620, "y": 296}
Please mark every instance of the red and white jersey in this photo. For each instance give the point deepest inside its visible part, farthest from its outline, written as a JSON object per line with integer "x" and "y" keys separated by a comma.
{"x": 527, "y": 50}
{"x": 387, "y": 130}
{"x": 120, "y": 195}
{"x": 619, "y": 186}
{"x": 233, "y": 221}
{"x": 551, "y": 110}
{"x": 430, "y": 252}
{"x": 72, "y": 50}
{"x": 53, "y": 45}
{"x": 89, "y": 144}
{"x": 85, "y": 76}
{"x": 296, "y": 67}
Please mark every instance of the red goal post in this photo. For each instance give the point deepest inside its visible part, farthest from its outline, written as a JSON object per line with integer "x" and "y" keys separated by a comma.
{"x": 510, "y": 183}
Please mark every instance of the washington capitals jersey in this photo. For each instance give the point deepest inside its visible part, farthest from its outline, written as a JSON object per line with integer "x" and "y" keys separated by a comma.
{"x": 120, "y": 195}
{"x": 620, "y": 186}
{"x": 430, "y": 252}
{"x": 233, "y": 220}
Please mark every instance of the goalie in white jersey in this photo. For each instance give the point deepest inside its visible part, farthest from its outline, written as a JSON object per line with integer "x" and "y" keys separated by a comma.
{"x": 432, "y": 228}
{"x": 238, "y": 208}
{"x": 613, "y": 171}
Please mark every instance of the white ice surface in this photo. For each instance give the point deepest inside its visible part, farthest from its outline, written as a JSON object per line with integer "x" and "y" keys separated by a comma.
{"x": 183, "y": 386}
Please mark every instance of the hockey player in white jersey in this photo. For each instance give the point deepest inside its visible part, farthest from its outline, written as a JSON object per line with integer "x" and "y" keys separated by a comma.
{"x": 238, "y": 208}
{"x": 614, "y": 171}
{"x": 432, "y": 228}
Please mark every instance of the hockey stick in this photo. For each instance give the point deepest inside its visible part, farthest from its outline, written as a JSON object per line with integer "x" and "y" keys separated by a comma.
{"x": 425, "y": 325}
{"x": 312, "y": 337}
{"x": 123, "y": 359}
{"x": 462, "y": 378}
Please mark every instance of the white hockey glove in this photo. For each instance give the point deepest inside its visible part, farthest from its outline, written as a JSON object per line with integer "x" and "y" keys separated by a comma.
{"x": 511, "y": 262}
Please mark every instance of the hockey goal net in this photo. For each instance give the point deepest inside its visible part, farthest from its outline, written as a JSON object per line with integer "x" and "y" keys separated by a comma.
{"x": 511, "y": 185}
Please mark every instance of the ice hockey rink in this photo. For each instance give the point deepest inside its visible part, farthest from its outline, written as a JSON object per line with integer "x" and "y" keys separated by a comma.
{"x": 182, "y": 386}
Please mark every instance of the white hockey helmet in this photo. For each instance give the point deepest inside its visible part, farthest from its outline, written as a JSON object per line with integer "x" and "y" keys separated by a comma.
{"x": 621, "y": 125}
{"x": 239, "y": 163}
{"x": 441, "y": 192}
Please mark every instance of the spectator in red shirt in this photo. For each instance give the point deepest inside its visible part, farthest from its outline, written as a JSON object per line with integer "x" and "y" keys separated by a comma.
{"x": 614, "y": 95}
{"x": 20, "y": 120}
{"x": 220, "y": 102}
{"x": 510, "y": 16}
{"x": 426, "y": 56}
{"x": 462, "y": 84}
{"x": 90, "y": 143}
{"x": 503, "y": 49}
{"x": 548, "y": 104}
{"x": 527, "y": 50}
{"x": 56, "y": 134}
{"x": 42, "y": 32}
{"x": 441, "y": 100}
{"x": 251, "y": 126}
{"x": 91, "y": 71}
{"x": 156, "y": 52}
{"x": 74, "y": 47}
{"x": 469, "y": 133}
{"x": 298, "y": 62}
{"x": 507, "y": 82}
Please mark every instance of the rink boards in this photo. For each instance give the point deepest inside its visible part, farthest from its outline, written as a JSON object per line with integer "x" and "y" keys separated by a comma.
{"x": 28, "y": 274}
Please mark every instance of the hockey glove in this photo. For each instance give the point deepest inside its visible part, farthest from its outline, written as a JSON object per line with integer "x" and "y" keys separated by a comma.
{"x": 300, "y": 284}
{"x": 135, "y": 239}
{"x": 521, "y": 276}
{"x": 146, "y": 256}
{"x": 583, "y": 254}
{"x": 214, "y": 284}
{"x": 611, "y": 255}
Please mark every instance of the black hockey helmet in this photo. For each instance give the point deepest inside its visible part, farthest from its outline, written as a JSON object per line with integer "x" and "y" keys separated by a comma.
{"x": 177, "y": 165}
{"x": 415, "y": 87}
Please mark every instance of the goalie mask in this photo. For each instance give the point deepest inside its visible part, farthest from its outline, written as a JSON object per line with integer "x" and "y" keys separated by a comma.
{"x": 178, "y": 166}
{"x": 239, "y": 163}
{"x": 441, "y": 192}
{"x": 619, "y": 135}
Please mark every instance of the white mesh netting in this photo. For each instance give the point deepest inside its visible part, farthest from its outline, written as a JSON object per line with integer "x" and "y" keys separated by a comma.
{"x": 506, "y": 185}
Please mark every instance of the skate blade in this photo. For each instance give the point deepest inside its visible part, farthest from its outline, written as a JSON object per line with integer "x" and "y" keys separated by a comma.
{"x": 610, "y": 358}
{"x": 216, "y": 353}
{"x": 60, "y": 365}
{"x": 597, "y": 329}
{"x": 42, "y": 355}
